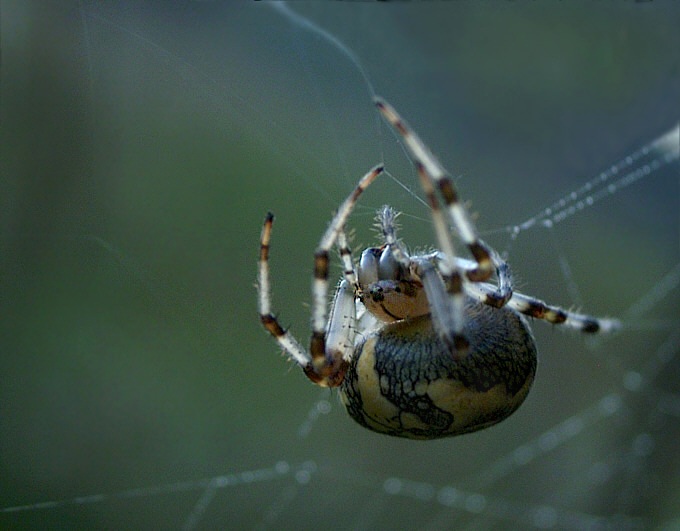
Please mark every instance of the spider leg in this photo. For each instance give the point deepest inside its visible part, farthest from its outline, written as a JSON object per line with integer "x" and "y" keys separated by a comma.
{"x": 428, "y": 165}
{"x": 284, "y": 338}
{"x": 342, "y": 318}
{"x": 326, "y": 365}
{"x": 341, "y": 327}
{"x": 540, "y": 310}
{"x": 346, "y": 258}
{"x": 452, "y": 318}
{"x": 446, "y": 309}
{"x": 502, "y": 292}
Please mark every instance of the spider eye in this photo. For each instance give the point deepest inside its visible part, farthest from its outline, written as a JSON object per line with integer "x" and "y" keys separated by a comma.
{"x": 388, "y": 267}
{"x": 368, "y": 266}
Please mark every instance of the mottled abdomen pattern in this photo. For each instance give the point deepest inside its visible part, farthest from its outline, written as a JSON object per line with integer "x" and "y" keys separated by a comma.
{"x": 405, "y": 381}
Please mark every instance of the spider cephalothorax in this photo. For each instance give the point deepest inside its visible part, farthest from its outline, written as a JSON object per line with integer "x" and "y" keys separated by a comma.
{"x": 420, "y": 346}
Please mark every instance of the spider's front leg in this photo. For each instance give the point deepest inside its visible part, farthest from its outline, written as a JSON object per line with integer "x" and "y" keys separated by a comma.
{"x": 329, "y": 370}
{"x": 332, "y": 340}
{"x": 327, "y": 366}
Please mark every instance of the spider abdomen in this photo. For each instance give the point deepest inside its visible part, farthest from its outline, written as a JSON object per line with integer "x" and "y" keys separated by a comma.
{"x": 404, "y": 381}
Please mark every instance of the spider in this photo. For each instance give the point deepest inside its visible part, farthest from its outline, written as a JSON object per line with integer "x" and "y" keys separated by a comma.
{"x": 420, "y": 346}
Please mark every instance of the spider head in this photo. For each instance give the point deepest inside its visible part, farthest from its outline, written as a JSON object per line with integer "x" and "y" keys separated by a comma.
{"x": 388, "y": 289}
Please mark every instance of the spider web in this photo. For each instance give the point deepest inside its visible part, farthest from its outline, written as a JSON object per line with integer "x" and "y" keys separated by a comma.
{"x": 143, "y": 145}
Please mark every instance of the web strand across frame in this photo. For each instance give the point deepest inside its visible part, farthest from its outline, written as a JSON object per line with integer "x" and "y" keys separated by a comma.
{"x": 640, "y": 164}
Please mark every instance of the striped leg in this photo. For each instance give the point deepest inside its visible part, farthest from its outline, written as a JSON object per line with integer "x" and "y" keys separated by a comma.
{"x": 540, "y": 310}
{"x": 285, "y": 339}
{"x": 346, "y": 258}
{"x": 452, "y": 307}
{"x": 502, "y": 293}
{"x": 327, "y": 367}
{"x": 428, "y": 165}
{"x": 323, "y": 365}
{"x": 341, "y": 325}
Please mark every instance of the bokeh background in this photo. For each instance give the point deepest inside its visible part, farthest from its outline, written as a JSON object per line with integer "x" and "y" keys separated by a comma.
{"x": 141, "y": 145}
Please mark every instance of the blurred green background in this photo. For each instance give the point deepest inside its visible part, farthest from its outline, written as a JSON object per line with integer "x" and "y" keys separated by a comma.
{"x": 142, "y": 144}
